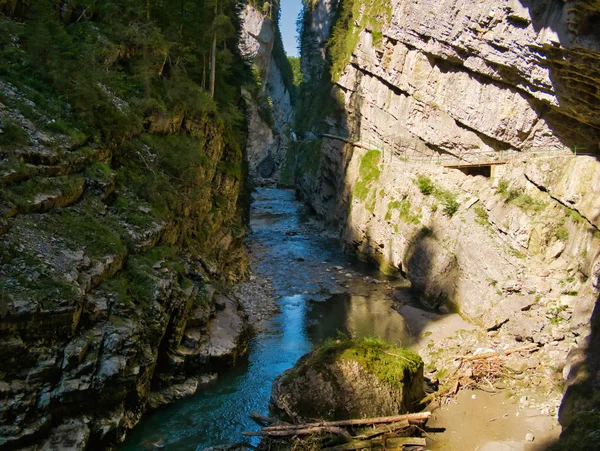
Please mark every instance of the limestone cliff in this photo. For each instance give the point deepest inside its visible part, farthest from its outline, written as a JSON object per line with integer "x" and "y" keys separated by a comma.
{"x": 451, "y": 155}
{"x": 121, "y": 226}
{"x": 269, "y": 104}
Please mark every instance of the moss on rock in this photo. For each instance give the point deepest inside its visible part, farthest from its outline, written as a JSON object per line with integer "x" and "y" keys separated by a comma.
{"x": 349, "y": 379}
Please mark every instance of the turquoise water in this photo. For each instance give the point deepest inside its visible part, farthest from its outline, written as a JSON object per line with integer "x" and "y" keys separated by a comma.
{"x": 291, "y": 248}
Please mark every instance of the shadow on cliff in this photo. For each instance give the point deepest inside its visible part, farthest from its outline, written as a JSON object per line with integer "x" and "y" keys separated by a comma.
{"x": 579, "y": 412}
{"x": 432, "y": 277}
{"x": 570, "y": 33}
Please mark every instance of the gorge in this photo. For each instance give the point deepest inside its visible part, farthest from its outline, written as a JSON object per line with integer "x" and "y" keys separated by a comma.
{"x": 451, "y": 148}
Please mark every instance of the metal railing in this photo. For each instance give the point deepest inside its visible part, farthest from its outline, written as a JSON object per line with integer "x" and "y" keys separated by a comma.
{"x": 412, "y": 150}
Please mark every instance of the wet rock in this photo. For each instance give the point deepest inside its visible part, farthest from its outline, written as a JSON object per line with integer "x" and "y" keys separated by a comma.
{"x": 173, "y": 393}
{"x": 348, "y": 379}
{"x": 72, "y": 435}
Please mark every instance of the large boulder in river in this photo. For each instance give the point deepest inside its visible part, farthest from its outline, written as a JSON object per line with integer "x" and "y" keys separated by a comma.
{"x": 346, "y": 379}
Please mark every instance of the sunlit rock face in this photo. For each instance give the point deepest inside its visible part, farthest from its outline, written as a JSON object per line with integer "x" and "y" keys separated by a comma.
{"x": 433, "y": 85}
{"x": 269, "y": 106}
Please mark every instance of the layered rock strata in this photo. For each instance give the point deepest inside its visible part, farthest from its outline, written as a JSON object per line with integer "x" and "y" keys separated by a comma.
{"x": 107, "y": 299}
{"x": 431, "y": 91}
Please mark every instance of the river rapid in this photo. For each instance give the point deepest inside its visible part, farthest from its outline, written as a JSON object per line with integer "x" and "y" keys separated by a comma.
{"x": 321, "y": 292}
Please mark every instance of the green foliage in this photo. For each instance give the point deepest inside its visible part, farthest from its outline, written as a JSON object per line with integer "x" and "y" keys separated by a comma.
{"x": 369, "y": 173}
{"x": 100, "y": 172}
{"x": 13, "y": 135}
{"x": 481, "y": 214}
{"x": 298, "y": 76}
{"x": 389, "y": 363}
{"x": 404, "y": 211}
{"x": 361, "y": 190}
{"x": 527, "y": 203}
{"x": 308, "y": 156}
{"x": 353, "y": 17}
{"x": 25, "y": 193}
{"x": 123, "y": 61}
{"x": 138, "y": 283}
{"x": 369, "y": 166}
{"x": 553, "y": 314}
{"x": 425, "y": 185}
{"x": 583, "y": 422}
{"x": 288, "y": 170}
{"x": 502, "y": 186}
{"x": 517, "y": 197}
{"x": 448, "y": 200}
{"x": 179, "y": 155}
{"x": 562, "y": 233}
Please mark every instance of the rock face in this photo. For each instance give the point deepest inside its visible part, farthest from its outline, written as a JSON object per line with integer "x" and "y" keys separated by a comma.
{"x": 106, "y": 300}
{"x": 346, "y": 380}
{"x": 270, "y": 107}
{"x": 429, "y": 87}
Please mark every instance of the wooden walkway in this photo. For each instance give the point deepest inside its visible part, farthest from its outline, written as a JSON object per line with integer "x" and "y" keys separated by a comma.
{"x": 450, "y": 160}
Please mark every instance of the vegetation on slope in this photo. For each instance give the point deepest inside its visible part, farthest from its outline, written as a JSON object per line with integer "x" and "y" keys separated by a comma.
{"x": 103, "y": 67}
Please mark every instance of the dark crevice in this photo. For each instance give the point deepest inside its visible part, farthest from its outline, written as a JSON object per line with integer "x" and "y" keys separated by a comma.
{"x": 395, "y": 89}
{"x": 543, "y": 188}
{"x": 488, "y": 140}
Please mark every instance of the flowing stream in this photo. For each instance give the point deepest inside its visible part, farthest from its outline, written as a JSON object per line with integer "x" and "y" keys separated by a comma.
{"x": 321, "y": 292}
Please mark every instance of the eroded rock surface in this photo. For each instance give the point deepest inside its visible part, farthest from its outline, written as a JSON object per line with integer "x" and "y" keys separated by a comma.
{"x": 429, "y": 87}
{"x": 347, "y": 380}
{"x": 98, "y": 290}
{"x": 269, "y": 105}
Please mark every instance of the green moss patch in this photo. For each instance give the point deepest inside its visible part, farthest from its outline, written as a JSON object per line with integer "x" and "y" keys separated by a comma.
{"x": 389, "y": 363}
{"x": 369, "y": 173}
{"x": 138, "y": 284}
{"x": 354, "y": 17}
{"x": 404, "y": 210}
{"x": 23, "y": 194}
{"x": 13, "y": 135}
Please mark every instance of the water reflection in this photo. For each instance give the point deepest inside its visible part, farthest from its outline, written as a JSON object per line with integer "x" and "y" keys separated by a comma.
{"x": 356, "y": 316}
{"x": 291, "y": 249}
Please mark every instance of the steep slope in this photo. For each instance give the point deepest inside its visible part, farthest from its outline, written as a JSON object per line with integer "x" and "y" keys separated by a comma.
{"x": 270, "y": 101}
{"x": 121, "y": 214}
{"x": 445, "y": 149}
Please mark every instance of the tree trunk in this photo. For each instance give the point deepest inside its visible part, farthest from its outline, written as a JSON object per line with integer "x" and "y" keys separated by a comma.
{"x": 213, "y": 62}
{"x": 213, "y": 66}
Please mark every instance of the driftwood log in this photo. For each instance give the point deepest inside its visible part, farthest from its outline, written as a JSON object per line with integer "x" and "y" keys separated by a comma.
{"x": 385, "y": 429}
{"x": 413, "y": 418}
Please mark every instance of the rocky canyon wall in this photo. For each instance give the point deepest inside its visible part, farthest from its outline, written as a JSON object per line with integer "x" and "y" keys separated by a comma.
{"x": 115, "y": 249}
{"x": 269, "y": 104}
{"x": 426, "y": 92}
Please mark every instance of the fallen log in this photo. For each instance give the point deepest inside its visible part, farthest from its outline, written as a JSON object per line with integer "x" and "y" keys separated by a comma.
{"x": 385, "y": 429}
{"x": 413, "y": 418}
{"x": 306, "y": 431}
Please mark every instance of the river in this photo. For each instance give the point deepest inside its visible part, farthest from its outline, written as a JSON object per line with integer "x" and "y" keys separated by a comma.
{"x": 321, "y": 292}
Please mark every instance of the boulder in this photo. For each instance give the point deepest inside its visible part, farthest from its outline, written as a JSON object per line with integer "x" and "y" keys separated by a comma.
{"x": 347, "y": 379}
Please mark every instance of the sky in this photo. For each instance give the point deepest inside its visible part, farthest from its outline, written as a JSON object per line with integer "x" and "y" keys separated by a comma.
{"x": 290, "y": 9}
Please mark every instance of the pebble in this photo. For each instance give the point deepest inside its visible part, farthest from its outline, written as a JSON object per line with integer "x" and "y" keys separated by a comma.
{"x": 529, "y": 437}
